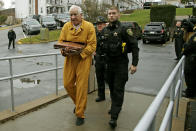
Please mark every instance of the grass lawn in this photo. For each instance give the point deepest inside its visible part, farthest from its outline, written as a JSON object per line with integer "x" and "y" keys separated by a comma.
{"x": 183, "y": 11}
{"x": 142, "y": 17}
{"x": 53, "y": 36}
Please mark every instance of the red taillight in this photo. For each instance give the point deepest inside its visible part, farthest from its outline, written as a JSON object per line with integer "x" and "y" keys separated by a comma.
{"x": 162, "y": 31}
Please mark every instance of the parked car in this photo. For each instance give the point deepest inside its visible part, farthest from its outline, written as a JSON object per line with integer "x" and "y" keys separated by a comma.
{"x": 156, "y": 31}
{"x": 137, "y": 30}
{"x": 147, "y": 5}
{"x": 190, "y": 5}
{"x": 61, "y": 19}
{"x": 48, "y": 22}
{"x": 30, "y": 26}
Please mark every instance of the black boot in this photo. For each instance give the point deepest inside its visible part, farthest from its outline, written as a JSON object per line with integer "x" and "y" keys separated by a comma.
{"x": 74, "y": 110}
{"x": 188, "y": 94}
{"x": 113, "y": 123}
{"x": 99, "y": 99}
{"x": 109, "y": 111}
{"x": 79, "y": 121}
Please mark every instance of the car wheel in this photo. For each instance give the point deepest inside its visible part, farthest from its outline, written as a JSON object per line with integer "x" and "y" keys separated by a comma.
{"x": 28, "y": 33}
{"x": 139, "y": 37}
{"x": 168, "y": 39}
{"x": 163, "y": 41}
{"x": 168, "y": 36}
{"x": 144, "y": 41}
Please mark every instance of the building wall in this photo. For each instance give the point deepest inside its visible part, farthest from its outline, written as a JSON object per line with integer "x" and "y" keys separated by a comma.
{"x": 42, "y": 7}
{"x": 21, "y": 8}
{"x": 68, "y": 3}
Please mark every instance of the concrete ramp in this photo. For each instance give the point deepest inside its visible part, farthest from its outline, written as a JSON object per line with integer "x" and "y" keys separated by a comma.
{"x": 59, "y": 115}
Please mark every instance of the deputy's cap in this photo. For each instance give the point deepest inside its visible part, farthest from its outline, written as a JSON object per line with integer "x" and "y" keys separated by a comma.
{"x": 101, "y": 19}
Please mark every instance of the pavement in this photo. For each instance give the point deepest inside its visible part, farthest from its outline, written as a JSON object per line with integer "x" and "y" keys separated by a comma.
{"x": 191, "y": 116}
{"x": 59, "y": 115}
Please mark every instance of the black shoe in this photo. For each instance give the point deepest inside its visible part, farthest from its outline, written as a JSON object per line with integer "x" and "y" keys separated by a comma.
{"x": 109, "y": 112}
{"x": 79, "y": 121}
{"x": 99, "y": 99}
{"x": 113, "y": 123}
{"x": 74, "y": 110}
{"x": 187, "y": 94}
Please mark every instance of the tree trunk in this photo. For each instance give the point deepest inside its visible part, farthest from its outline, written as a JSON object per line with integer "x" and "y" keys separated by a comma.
{"x": 112, "y": 2}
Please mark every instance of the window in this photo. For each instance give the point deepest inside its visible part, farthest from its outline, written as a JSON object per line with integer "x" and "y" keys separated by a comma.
{"x": 29, "y": 10}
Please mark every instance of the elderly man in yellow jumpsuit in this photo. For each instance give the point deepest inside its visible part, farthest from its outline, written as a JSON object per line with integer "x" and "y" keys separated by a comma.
{"x": 77, "y": 67}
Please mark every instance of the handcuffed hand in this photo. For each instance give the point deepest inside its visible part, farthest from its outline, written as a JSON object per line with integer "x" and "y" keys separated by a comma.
{"x": 67, "y": 52}
{"x": 64, "y": 52}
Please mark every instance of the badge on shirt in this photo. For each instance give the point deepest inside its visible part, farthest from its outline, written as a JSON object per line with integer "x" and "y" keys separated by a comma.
{"x": 130, "y": 32}
{"x": 194, "y": 39}
{"x": 115, "y": 34}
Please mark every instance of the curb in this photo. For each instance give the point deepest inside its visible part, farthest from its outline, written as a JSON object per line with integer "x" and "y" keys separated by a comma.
{"x": 31, "y": 106}
{"x": 8, "y": 27}
{"x": 20, "y": 43}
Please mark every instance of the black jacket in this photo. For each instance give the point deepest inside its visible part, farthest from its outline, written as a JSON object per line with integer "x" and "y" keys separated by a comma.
{"x": 11, "y": 34}
{"x": 118, "y": 41}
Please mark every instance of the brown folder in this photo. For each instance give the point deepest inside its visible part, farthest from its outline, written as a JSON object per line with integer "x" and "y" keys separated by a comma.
{"x": 70, "y": 47}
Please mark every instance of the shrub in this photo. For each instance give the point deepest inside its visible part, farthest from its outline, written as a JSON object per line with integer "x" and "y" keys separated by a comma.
{"x": 194, "y": 11}
{"x": 3, "y": 18}
{"x": 163, "y": 13}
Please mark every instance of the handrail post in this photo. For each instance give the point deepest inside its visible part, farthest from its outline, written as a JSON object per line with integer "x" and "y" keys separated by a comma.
{"x": 179, "y": 90}
{"x": 172, "y": 95}
{"x": 182, "y": 77}
{"x": 11, "y": 85}
{"x": 56, "y": 62}
{"x": 178, "y": 99}
{"x": 152, "y": 126}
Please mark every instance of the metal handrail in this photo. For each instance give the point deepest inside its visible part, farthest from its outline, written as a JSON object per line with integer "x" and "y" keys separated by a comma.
{"x": 12, "y": 76}
{"x": 147, "y": 122}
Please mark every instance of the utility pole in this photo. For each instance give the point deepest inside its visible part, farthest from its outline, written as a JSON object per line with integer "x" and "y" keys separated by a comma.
{"x": 36, "y": 7}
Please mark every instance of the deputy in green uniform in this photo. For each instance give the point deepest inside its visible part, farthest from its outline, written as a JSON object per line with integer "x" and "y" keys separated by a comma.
{"x": 119, "y": 41}
{"x": 190, "y": 61}
{"x": 100, "y": 59}
{"x": 178, "y": 39}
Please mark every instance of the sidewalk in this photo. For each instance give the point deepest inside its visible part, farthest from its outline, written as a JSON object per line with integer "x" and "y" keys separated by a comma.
{"x": 8, "y": 27}
{"x": 59, "y": 116}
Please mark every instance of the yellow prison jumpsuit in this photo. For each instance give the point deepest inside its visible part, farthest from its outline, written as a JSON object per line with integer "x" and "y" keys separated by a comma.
{"x": 77, "y": 67}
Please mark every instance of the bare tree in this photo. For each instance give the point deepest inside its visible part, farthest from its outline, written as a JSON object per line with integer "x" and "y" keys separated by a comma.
{"x": 91, "y": 9}
{"x": 1, "y": 4}
{"x": 112, "y": 2}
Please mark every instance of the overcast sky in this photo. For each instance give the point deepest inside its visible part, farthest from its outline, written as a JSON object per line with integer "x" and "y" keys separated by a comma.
{"x": 7, "y": 3}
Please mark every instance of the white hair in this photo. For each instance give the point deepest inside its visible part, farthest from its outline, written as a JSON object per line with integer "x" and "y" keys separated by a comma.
{"x": 76, "y": 7}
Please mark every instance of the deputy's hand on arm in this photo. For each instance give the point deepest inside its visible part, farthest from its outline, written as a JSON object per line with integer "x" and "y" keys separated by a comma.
{"x": 132, "y": 69}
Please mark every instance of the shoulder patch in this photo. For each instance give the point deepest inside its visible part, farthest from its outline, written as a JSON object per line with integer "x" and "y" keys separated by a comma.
{"x": 194, "y": 39}
{"x": 130, "y": 32}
